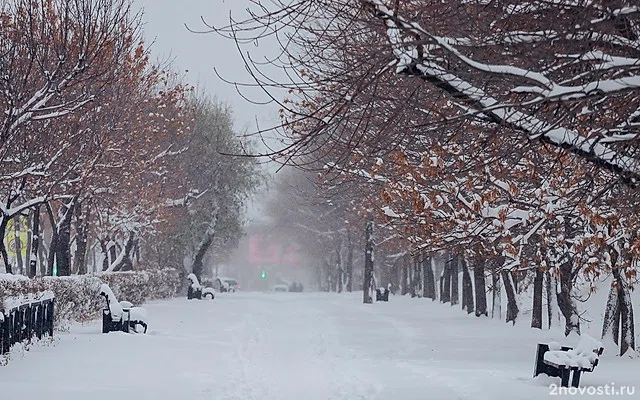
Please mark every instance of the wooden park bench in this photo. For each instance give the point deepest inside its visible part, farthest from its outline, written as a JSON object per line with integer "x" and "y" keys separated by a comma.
{"x": 121, "y": 316}
{"x": 197, "y": 291}
{"x": 561, "y": 361}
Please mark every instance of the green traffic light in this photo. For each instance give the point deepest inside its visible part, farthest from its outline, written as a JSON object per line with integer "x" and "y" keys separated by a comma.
{"x": 263, "y": 275}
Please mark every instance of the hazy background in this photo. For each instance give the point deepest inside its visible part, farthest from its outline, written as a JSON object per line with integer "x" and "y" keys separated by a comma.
{"x": 200, "y": 53}
{"x": 197, "y": 55}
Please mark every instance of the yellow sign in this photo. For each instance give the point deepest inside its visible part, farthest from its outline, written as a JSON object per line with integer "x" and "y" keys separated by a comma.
{"x": 17, "y": 233}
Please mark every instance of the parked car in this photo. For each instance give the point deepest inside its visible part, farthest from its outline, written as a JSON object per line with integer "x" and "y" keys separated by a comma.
{"x": 280, "y": 288}
{"x": 232, "y": 284}
{"x": 226, "y": 285}
{"x": 296, "y": 287}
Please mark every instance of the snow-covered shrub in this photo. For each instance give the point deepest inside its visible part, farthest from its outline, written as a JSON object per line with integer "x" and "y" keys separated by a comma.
{"x": 165, "y": 282}
{"x": 78, "y": 296}
{"x": 12, "y": 286}
{"x": 130, "y": 286}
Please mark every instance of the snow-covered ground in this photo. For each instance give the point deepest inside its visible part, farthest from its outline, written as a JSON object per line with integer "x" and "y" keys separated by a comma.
{"x": 297, "y": 346}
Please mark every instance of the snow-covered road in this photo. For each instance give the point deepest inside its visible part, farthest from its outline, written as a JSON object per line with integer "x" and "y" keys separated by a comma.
{"x": 294, "y": 346}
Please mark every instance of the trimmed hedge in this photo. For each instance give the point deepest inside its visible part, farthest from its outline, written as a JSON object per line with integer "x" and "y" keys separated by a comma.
{"x": 77, "y": 296}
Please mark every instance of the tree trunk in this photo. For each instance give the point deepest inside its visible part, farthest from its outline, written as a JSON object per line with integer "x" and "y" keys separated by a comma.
{"x": 481, "y": 291}
{"x": 63, "y": 244}
{"x": 35, "y": 242}
{"x": 455, "y": 287}
{"x": 566, "y": 302}
{"x": 27, "y": 250}
{"x": 136, "y": 251}
{"x": 124, "y": 261}
{"x": 80, "y": 259}
{"x": 339, "y": 270}
{"x": 415, "y": 277}
{"x": 429, "y": 279}
{"x": 553, "y": 310}
{"x": 112, "y": 250}
{"x": 419, "y": 276}
{"x": 536, "y": 313}
{"x": 618, "y": 323}
{"x": 3, "y": 250}
{"x": 349, "y": 285}
{"x": 53, "y": 245}
{"x": 197, "y": 266}
{"x": 17, "y": 224}
{"x": 42, "y": 254}
{"x": 63, "y": 250}
{"x": 496, "y": 298}
{"x": 331, "y": 275}
{"x": 611, "y": 320}
{"x": 515, "y": 279}
{"x": 445, "y": 295}
{"x": 4, "y": 220}
{"x": 512, "y": 304}
{"x": 411, "y": 276}
{"x": 405, "y": 276}
{"x": 627, "y": 329}
{"x": 550, "y": 297}
{"x": 317, "y": 276}
{"x": 325, "y": 276}
{"x": 368, "y": 263}
{"x": 467, "y": 287}
{"x": 104, "y": 242}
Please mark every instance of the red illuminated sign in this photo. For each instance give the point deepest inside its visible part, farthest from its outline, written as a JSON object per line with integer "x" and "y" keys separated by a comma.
{"x": 268, "y": 251}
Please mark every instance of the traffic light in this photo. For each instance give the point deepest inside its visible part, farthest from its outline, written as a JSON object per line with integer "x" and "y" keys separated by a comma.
{"x": 263, "y": 275}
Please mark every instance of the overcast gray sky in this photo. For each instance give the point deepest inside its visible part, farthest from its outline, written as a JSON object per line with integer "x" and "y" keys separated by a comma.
{"x": 200, "y": 53}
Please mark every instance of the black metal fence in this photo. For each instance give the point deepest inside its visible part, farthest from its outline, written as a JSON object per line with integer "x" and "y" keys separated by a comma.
{"x": 22, "y": 323}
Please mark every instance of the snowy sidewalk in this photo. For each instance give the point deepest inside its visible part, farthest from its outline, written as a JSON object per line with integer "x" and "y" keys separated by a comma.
{"x": 296, "y": 346}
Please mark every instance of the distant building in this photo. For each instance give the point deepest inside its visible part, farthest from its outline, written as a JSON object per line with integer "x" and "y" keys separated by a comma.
{"x": 264, "y": 258}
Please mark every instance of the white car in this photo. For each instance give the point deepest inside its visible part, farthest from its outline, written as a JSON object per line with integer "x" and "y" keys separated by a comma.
{"x": 280, "y": 288}
{"x": 226, "y": 285}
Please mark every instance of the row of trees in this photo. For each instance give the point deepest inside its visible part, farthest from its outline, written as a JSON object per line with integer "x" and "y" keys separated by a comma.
{"x": 105, "y": 153}
{"x": 321, "y": 224}
{"x": 498, "y": 136}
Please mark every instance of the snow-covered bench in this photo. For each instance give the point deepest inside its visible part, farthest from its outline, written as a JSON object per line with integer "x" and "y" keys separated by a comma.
{"x": 197, "y": 291}
{"x": 382, "y": 294}
{"x": 559, "y": 361}
{"x": 121, "y": 316}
